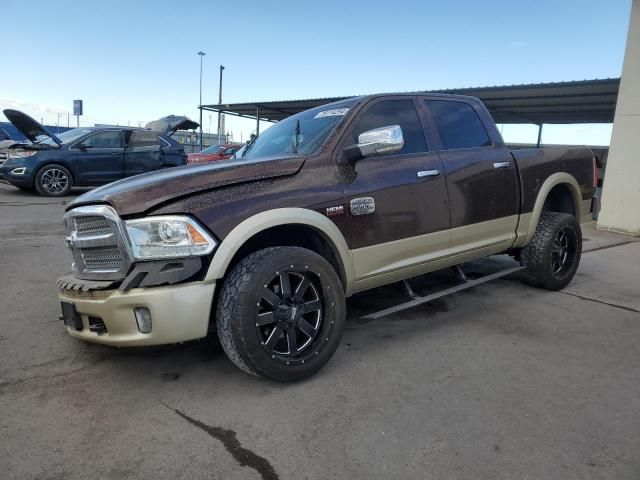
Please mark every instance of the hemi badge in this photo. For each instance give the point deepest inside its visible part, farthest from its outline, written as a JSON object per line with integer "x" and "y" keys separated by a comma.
{"x": 337, "y": 210}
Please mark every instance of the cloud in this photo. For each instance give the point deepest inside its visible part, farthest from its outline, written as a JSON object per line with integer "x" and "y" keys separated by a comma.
{"x": 517, "y": 44}
{"x": 33, "y": 109}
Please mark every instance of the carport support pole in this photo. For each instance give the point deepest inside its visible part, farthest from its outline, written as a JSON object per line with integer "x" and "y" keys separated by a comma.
{"x": 220, "y": 132}
{"x": 257, "y": 121}
{"x": 202, "y": 54}
{"x": 539, "y": 135}
{"x": 620, "y": 193}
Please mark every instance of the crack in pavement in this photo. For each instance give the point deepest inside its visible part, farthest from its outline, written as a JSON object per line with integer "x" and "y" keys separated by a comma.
{"x": 4, "y": 385}
{"x": 605, "y": 247}
{"x": 603, "y": 302}
{"x": 229, "y": 439}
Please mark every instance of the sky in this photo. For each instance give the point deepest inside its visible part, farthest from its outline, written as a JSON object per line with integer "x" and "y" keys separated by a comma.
{"x": 135, "y": 61}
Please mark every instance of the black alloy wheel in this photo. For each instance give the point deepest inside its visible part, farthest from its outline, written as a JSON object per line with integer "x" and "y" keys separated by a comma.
{"x": 289, "y": 314}
{"x": 552, "y": 256}
{"x": 563, "y": 250}
{"x": 281, "y": 313}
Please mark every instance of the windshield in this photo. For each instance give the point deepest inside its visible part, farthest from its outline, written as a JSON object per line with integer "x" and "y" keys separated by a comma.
{"x": 300, "y": 134}
{"x": 212, "y": 149}
{"x": 65, "y": 137}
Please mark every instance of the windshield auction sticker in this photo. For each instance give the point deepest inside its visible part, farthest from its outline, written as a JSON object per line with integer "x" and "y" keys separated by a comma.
{"x": 336, "y": 112}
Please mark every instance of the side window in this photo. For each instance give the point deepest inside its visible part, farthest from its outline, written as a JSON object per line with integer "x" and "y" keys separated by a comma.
{"x": 394, "y": 112}
{"x": 108, "y": 139}
{"x": 143, "y": 138}
{"x": 458, "y": 125}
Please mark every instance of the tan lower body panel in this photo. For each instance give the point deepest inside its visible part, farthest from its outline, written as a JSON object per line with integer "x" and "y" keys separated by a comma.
{"x": 178, "y": 313}
{"x": 393, "y": 261}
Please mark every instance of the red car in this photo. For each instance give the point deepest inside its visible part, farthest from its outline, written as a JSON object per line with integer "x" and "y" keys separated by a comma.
{"x": 214, "y": 153}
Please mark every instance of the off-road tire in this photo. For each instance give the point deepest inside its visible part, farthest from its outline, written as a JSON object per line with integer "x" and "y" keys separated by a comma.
{"x": 40, "y": 183}
{"x": 241, "y": 301}
{"x": 540, "y": 257}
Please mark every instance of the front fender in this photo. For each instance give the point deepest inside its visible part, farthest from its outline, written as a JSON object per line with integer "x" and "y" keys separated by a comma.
{"x": 276, "y": 217}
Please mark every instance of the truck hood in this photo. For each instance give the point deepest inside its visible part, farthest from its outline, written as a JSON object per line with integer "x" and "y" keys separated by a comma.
{"x": 137, "y": 195}
{"x": 28, "y": 126}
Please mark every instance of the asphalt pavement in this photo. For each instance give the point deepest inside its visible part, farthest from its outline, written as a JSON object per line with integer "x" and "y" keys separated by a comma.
{"x": 499, "y": 381}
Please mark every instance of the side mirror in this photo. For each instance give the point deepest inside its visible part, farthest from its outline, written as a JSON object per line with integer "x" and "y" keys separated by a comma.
{"x": 83, "y": 146}
{"x": 379, "y": 141}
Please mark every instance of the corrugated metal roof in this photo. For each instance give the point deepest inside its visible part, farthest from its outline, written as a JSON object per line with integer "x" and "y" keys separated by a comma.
{"x": 581, "y": 101}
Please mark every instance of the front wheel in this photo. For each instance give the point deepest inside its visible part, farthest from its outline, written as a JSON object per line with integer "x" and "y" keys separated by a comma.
{"x": 553, "y": 255}
{"x": 281, "y": 313}
{"x": 53, "y": 181}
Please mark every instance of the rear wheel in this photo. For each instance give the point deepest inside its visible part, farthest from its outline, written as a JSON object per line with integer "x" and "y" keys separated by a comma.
{"x": 53, "y": 181}
{"x": 281, "y": 313}
{"x": 553, "y": 255}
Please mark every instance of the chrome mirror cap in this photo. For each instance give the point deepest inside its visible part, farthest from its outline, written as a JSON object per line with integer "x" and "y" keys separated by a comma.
{"x": 379, "y": 141}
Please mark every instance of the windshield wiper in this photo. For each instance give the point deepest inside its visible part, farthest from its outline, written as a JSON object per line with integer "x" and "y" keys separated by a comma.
{"x": 248, "y": 147}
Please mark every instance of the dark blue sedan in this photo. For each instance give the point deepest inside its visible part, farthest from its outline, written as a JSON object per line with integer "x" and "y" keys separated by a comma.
{"x": 52, "y": 164}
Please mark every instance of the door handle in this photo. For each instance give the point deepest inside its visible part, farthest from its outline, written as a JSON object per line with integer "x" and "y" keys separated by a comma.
{"x": 428, "y": 173}
{"x": 502, "y": 165}
{"x": 115, "y": 153}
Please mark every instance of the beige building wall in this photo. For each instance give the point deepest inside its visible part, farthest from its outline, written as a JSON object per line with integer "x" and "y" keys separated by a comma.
{"x": 621, "y": 191}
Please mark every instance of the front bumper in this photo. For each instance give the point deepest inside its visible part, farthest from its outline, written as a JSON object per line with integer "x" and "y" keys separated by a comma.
{"x": 23, "y": 180}
{"x": 178, "y": 312}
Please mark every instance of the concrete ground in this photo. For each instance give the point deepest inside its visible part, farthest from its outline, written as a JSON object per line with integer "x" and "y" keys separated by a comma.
{"x": 500, "y": 381}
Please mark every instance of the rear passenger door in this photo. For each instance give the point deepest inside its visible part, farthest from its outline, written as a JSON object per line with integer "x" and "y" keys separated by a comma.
{"x": 480, "y": 173}
{"x": 143, "y": 153}
{"x": 397, "y": 203}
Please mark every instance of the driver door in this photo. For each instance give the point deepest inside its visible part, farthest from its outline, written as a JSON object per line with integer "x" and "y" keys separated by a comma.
{"x": 99, "y": 158}
{"x": 406, "y": 219}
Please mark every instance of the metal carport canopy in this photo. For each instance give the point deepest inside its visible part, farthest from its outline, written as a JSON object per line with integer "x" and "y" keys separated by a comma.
{"x": 583, "y": 101}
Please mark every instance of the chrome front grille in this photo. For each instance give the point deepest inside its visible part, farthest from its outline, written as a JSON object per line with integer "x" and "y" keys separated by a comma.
{"x": 102, "y": 259}
{"x": 4, "y": 156}
{"x": 95, "y": 235}
{"x": 91, "y": 225}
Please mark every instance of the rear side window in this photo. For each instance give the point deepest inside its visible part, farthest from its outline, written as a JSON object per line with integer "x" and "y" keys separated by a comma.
{"x": 394, "y": 112}
{"x": 108, "y": 139}
{"x": 458, "y": 125}
{"x": 143, "y": 138}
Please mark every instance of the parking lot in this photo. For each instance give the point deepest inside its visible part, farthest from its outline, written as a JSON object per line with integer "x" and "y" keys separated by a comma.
{"x": 498, "y": 381}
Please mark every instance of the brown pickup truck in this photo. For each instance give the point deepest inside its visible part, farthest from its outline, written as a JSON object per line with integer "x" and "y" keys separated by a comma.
{"x": 335, "y": 200}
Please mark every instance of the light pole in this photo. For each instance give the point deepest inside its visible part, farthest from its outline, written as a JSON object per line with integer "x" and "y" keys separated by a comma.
{"x": 202, "y": 54}
{"x": 220, "y": 102}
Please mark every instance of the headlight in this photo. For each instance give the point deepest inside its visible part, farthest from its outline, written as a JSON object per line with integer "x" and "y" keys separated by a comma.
{"x": 168, "y": 237}
{"x": 21, "y": 153}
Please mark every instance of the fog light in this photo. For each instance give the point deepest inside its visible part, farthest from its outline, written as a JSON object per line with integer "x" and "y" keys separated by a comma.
{"x": 143, "y": 319}
{"x": 19, "y": 171}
